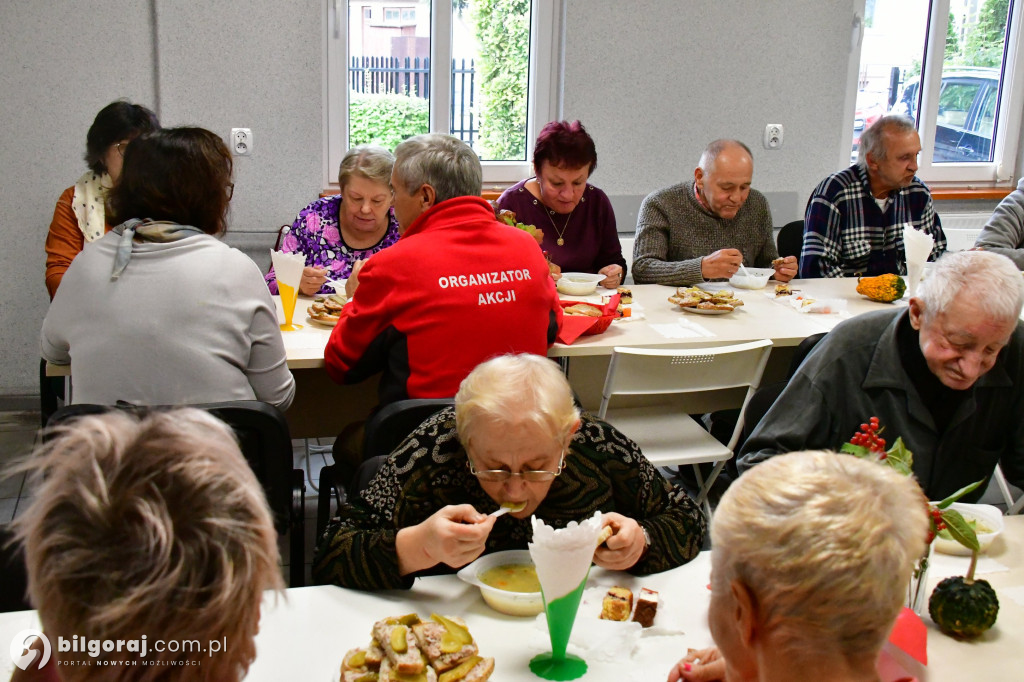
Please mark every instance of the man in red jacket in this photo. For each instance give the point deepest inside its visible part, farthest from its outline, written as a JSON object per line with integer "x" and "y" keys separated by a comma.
{"x": 459, "y": 287}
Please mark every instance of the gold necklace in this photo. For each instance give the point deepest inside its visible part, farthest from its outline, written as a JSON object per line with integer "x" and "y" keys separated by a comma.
{"x": 559, "y": 241}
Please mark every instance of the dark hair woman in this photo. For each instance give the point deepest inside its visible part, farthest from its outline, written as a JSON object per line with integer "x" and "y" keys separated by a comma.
{"x": 79, "y": 216}
{"x": 577, "y": 219}
{"x": 160, "y": 311}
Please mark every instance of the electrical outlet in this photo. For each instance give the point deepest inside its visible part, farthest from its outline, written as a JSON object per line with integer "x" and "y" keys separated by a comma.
{"x": 773, "y": 136}
{"x": 241, "y": 141}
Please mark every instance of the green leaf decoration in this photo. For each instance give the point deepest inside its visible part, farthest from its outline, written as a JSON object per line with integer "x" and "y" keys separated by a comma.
{"x": 958, "y": 494}
{"x": 856, "y": 450}
{"x": 961, "y": 531}
{"x": 900, "y": 458}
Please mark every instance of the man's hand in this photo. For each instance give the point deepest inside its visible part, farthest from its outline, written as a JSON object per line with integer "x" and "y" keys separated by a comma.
{"x": 699, "y": 665}
{"x": 353, "y": 278}
{"x": 721, "y": 264}
{"x": 612, "y": 276}
{"x": 453, "y": 535}
{"x": 785, "y": 268}
{"x": 312, "y": 279}
{"x": 626, "y": 545}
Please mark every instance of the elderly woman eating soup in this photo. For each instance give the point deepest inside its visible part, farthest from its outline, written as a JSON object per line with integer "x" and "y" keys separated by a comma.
{"x": 514, "y": 437}
{"x": 576, "y": 218}
{"x": 811, "y": 556}
{"x": 335, "y": 233}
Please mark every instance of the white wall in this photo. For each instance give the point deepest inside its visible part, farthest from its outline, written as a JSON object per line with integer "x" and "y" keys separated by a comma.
{"x": 223, "y": 64}
{"x": 654, "y": 82}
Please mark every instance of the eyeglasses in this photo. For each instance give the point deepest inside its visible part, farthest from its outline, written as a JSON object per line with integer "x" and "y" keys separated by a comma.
{"x": 120, "y": 147}
{"x": 230, "y": 190}
{"x": 530, "y": 475}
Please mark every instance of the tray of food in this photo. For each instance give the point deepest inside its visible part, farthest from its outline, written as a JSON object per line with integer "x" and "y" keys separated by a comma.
{"x": 700, "y": 302}
{"x": 408, "y": 648}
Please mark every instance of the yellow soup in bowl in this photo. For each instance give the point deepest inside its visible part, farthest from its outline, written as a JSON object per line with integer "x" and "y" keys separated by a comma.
{"x": 512, "y": 578}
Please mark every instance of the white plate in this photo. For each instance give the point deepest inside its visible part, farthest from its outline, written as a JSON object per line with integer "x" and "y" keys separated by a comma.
{"x": 983, "y": 513}
{"x": 578, "y": 283}
{"x": 705, "y": 311}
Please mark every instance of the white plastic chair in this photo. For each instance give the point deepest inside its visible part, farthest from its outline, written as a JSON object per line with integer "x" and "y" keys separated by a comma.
{"x": 1012, "y": 507}
{"x": 656, "y": 389}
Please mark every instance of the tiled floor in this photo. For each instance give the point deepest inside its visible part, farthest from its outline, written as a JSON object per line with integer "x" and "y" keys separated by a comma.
{"x": 18, "y": 431}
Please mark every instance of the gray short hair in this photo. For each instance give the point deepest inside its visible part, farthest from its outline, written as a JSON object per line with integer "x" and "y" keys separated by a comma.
{"x": 153, "y": 525}
{"x": 826, "y": 543}
{"x": 366, "y": 161}
{"x": 989, "y": 280}
{"x": 714, "y": 149}
{"x": 513, "y": 389}
{"x": 444, "y": 162}
{"x": 872, "y": 140}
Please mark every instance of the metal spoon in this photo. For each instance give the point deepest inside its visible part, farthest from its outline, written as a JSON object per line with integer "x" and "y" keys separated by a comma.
{"x": 508, "y": 507}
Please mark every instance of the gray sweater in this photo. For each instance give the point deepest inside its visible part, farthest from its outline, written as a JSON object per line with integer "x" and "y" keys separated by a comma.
{"x": 188, "y": 322}
{"x": 674, "y": 232}
{"x": 1004, "y": 231}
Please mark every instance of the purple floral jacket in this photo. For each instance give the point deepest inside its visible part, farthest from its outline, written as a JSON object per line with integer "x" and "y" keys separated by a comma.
{"x": 315, "y": 234}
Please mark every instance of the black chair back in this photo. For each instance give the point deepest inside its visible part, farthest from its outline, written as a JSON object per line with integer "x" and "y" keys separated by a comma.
{"x": 384, "y": 432}
{"x": 791, "y": 239}
{"x": 265, "y": 441}
{"x": 388, "y": 427}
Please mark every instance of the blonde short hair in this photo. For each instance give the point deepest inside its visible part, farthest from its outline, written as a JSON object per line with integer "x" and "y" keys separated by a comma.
{"x": 149, "y": 526}
{"x": 513, "y": 389}
{"x": 826, "y": 543}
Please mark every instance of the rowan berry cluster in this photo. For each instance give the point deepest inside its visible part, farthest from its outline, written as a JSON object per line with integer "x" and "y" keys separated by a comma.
{"x": 937, "y": 523}
{"x": 868, "y": 437}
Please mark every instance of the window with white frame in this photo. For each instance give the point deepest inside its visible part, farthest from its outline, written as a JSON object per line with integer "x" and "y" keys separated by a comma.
{"x": 495, "y": 89}
{"x": 957, "y": 68}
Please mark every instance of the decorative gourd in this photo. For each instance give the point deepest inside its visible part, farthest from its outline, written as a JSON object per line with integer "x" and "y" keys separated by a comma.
{"x": 885, "y": 288}
{"x": 962, "y": 606}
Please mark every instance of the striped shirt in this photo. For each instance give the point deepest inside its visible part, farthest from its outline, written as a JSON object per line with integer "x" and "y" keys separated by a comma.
{"x": 846, "y": 233}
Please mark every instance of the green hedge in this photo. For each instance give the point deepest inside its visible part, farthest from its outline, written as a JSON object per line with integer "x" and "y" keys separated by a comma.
{"x": 386, "y": 120}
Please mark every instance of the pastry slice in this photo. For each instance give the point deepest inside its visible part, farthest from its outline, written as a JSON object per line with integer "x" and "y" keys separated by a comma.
{"x": 646, "y": 607}
{"x": 617, "y": 604}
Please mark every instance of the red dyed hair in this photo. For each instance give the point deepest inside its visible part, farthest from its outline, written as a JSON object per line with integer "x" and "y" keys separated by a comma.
{"x": 564, "y": 144}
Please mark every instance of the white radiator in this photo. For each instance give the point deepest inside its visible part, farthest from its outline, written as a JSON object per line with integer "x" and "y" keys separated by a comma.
{"x": 962, "y": 229}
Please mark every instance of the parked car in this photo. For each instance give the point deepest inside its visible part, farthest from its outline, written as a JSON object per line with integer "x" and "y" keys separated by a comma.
{"x": 966, "y": 116}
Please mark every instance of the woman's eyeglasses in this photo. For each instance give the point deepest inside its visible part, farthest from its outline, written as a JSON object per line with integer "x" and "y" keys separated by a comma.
{"x": 120, "y": 147}
{"x": 502, "y": 475}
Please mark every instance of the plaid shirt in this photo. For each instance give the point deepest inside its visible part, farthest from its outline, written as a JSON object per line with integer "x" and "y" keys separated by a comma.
{"x": 847, "y": 234}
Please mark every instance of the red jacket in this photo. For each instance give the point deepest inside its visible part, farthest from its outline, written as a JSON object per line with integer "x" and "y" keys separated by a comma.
{"x": 456, "y": 289}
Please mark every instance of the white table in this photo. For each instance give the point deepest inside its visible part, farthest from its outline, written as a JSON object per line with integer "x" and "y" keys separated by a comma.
{"x": 305, "y": 634}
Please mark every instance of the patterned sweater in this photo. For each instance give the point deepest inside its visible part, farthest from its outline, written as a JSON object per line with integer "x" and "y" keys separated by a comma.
{"x": 674, "y": 232}
{"x": 604, "y": 471}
